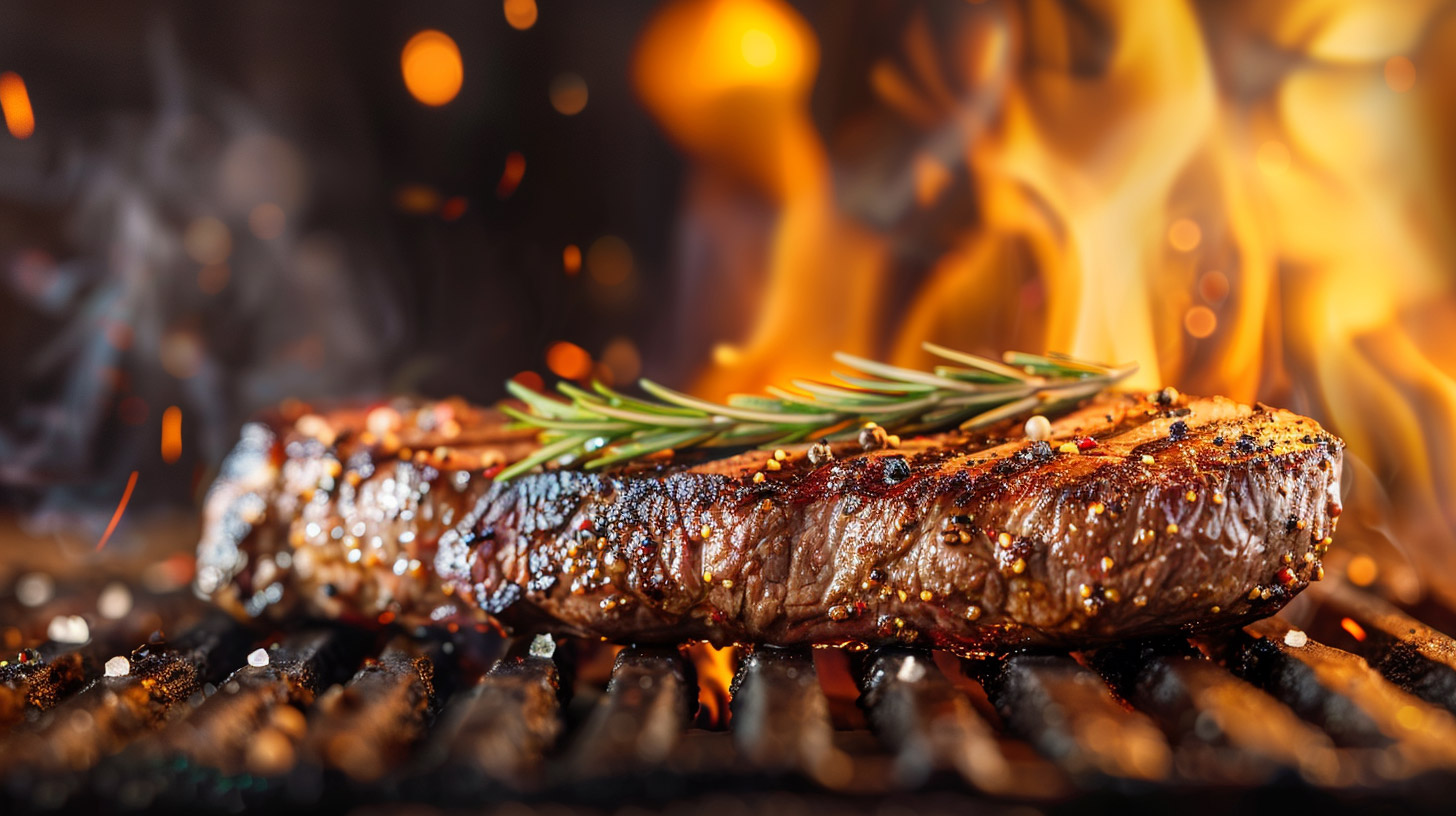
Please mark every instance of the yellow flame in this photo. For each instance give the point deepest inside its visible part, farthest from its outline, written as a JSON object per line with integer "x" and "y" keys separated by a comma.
{"x": 715, "y": 667}
{"x": 433, "y": 70}
{"x": 1260, "y": 211}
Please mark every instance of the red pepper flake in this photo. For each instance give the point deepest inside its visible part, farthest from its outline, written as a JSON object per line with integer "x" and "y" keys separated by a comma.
{"x": 1286, "y": 576}
{"x": 23, "y": 657}
{"x": 491, "y": 471}
{"x": 1086, "y": 443}
{"x": 385, "y": 618}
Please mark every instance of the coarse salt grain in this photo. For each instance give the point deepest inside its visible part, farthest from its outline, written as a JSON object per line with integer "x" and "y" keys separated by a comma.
{"x": 1295, "y": 638}
{"x": 118, "y": 667}
{"x": 258, "y": 657}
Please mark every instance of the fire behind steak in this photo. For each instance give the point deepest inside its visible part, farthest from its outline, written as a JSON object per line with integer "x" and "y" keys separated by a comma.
{"x": 1138, "y": 516}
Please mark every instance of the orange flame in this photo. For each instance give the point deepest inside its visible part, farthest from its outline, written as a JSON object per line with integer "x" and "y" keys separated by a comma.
{"x": 1251, "y": 202}
{"x": 716, "y": 667}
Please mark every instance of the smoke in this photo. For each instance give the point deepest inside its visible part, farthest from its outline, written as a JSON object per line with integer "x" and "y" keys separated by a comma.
{"x": 189, "y": 273}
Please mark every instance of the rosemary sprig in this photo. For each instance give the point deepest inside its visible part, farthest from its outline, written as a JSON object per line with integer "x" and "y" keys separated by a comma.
{"x": 601, "y": 426}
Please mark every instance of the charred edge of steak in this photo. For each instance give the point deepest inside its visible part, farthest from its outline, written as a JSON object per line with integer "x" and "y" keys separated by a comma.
{"x": 1184, "y": 515}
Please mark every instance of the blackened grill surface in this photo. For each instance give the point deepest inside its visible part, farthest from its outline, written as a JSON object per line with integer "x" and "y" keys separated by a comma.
{"x": 1176, "y": 516}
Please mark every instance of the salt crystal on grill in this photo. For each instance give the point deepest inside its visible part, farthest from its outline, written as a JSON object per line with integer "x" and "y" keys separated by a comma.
{"x": 1295, "y": 638}
{"x": 118, "y": 667}
{"x": 258, "y": 658}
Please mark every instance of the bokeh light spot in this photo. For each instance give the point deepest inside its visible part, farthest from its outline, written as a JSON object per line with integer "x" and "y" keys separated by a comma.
{"x": 1400, "y": 74}
{"x": 1184, "y": 235}
{"x": 568, "y": 360}
{"x": 571, "y": 259}
{"x": 530, "y": 379}
{"x": 208, "y": 240}
{"x": 609, "y": 261}
{"x": 267, "y": 221}
{"x": 521, "y": 14}
{"x": 181, "y": 354}
{"x": 511, "y": 175}
{"x": 433, "y": 70}
{"x": 568, "y": 94}
{"x": 622, "y": 359}
{"x": 1200, "y": 321}
{"x": 453, "y": 208}
{"x": 1213, "y": 287}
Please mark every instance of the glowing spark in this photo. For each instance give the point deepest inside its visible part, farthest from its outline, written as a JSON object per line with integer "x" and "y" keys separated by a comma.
{"x": 1356, "y": 630}
{"x": 15, "y": 104}
{"x": 511, "y": 176}
{"x": 433, "y": 70}
{"x": 120, "y": 508}
{"x": 171, "y": 434}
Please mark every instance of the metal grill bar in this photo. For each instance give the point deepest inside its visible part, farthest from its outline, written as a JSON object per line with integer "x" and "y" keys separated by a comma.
{"x": 1159, "y": 713}
{"x": 1406, "y": 651}
{"x": 928, "y": 724}
{"x": 781, "y": 717}
{"x": 1351, "y": 702}
{"x": 158, "y": 680}
{"x": 503, "y": 727}
{"x": 638, "y": 723}
{"x": 367, "y": 727}
{"x": 1066, "y": 711}
{"x": 1224, "y": 730}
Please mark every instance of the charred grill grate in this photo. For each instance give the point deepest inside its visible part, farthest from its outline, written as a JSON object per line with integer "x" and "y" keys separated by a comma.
{"x": 1359, "y": 704}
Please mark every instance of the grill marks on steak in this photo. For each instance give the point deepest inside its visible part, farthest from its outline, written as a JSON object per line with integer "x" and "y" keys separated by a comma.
{"x": 1187, "y": 515}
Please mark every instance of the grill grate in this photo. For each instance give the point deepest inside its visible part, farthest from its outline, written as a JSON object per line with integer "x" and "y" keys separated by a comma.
{"x": 334, "y": 716}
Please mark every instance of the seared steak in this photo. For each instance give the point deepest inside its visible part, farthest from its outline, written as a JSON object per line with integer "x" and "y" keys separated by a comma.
{"x": 1138, "y": 516}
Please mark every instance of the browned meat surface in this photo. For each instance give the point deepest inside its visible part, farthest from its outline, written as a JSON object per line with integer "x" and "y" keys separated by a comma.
{"x": 1184, "y": 515}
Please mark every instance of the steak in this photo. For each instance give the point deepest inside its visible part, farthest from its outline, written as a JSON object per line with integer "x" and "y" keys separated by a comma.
{"x": 1139, "y": 515}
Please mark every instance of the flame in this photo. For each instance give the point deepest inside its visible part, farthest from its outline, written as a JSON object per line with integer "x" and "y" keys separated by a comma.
{"x": 433, "y": 71}
{"x": 716, "y": 667}
{"x": 1247, "y": 201}
{"x": 15, "y": 105}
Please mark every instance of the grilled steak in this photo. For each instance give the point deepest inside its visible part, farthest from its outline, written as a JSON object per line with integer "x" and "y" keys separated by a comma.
{"x": 1138, "y": 516}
